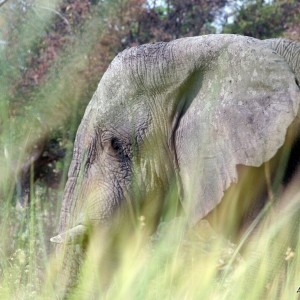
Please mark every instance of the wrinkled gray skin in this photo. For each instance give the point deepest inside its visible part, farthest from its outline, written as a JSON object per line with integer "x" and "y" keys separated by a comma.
{"x": 181, "y": 114}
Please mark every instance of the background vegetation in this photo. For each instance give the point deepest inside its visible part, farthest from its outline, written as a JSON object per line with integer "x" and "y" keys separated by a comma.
{"x": 52, "y": 56}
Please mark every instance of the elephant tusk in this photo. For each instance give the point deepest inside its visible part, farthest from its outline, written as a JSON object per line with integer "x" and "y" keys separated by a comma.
{"x": 71, "y": 236}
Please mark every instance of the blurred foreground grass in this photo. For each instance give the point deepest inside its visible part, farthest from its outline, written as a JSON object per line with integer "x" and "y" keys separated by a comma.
{"x": 175, "y": 263}
{"x": 182, "y": 263}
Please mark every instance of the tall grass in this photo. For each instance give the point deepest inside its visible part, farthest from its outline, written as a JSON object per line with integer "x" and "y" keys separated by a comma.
{"x": 177, "y": 262}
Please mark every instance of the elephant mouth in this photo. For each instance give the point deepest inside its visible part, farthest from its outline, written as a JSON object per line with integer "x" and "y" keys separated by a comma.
{"x": 72, "y": 236}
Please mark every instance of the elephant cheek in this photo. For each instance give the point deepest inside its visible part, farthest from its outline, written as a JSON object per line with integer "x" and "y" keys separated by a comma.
{"x": 96, "y": 206}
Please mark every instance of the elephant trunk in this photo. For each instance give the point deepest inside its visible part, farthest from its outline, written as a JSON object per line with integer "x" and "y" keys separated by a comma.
{"x": 70, "y": 257}
{"x": 290, "y": 50}
{"x": 68, "y": 252}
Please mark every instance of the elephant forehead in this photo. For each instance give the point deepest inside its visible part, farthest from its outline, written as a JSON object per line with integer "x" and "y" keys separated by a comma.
{"x": 153, "y": 70}
{"x": 156, "y": 67}
{"x": 119, "y": 112}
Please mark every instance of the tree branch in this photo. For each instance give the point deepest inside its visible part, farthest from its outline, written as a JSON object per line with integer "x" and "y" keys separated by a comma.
{"x": 58, "y": 14}
{"x": 3, "y": 2}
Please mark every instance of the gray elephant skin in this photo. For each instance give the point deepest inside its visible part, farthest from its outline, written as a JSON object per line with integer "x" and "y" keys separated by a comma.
{"x": 180, "y": 116}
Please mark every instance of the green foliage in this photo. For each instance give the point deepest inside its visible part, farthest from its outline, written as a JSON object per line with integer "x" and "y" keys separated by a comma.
{"x": 174, "y": 19}
{"x": 262, "y": 19}
{"x": 45, "y": 75}
{"x": 24, "y": 247}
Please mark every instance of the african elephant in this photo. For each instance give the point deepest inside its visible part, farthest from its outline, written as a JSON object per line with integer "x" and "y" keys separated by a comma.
{"x": 180, "y": 115}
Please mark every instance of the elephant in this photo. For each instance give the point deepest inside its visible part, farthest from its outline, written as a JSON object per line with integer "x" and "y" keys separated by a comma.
{"x": 184, "y": 116}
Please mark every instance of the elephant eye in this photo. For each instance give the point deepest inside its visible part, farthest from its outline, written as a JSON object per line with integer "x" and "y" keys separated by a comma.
{"x": 116, "y": 145}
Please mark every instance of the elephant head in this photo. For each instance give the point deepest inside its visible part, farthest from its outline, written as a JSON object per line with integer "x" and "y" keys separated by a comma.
{"x": 182, "y": 114}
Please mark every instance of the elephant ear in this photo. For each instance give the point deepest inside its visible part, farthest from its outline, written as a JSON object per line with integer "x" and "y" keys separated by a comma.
{"x": 237, "y": 111}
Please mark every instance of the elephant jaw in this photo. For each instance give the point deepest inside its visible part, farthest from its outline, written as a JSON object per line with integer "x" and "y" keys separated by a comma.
{"x": 72, "y": 236}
